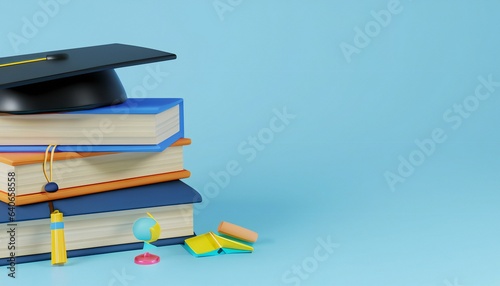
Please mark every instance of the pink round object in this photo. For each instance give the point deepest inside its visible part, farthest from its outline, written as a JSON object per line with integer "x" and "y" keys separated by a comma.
{"x": 146, "y": 259}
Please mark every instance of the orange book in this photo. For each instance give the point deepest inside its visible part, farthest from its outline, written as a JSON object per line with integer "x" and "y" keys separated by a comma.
{"x": 77, "y": 174}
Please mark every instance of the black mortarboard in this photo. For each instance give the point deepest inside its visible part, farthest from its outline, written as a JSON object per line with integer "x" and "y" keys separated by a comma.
{"x": 67, "y": 80}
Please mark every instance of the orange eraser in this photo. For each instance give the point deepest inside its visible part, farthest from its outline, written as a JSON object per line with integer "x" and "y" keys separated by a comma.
{"x": 237, "y": 231}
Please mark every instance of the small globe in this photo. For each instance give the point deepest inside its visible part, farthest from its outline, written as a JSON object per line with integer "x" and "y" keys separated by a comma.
{"x": 146, "y": 229}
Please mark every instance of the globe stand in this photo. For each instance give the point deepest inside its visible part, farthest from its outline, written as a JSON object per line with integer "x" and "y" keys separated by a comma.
{"x": 147, "y": 230}
{"x": 146, "y": 259}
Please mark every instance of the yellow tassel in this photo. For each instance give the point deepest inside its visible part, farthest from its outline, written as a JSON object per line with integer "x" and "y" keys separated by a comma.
{"x": 57, "y": 236}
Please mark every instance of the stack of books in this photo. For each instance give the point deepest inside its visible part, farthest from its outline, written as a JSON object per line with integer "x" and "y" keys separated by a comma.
{"x": 112, "y": 165}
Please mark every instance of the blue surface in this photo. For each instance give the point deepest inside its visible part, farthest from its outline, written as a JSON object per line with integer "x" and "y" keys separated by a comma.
{"x": 318, "y": 178}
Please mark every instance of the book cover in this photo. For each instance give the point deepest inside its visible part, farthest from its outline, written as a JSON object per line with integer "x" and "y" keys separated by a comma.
{"x": 92, "y": 189}
{"x": 101, "y": 220}
{"x": 97, "y": 250}
{"x": 85, "y": 173}
{"x": 209, "y": 244}
{"x": 137, "y": 125}
{"x": 144, "y": 196}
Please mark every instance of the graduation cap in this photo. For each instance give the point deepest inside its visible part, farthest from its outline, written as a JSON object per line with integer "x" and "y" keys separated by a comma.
{"x": 67, "y": 80}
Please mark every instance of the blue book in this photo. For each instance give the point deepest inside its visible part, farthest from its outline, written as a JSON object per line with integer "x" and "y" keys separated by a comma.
{"x": 98, "y": 223}
{"x": 137, "y": 125}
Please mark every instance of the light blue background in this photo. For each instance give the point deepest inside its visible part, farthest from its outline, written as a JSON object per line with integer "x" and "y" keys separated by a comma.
{"x": 322, "y": 176}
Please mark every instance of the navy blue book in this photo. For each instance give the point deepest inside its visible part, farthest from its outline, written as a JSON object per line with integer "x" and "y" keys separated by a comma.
{"x": 98, "y": 223}
{"x": 137, "y": 125}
